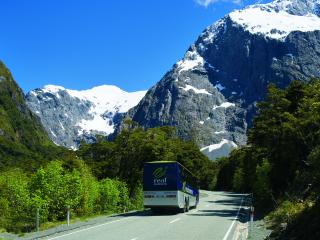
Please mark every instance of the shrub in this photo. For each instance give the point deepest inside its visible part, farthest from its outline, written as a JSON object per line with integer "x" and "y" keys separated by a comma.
{"x": 286, "y": 212}
{"x": 109, "y": 195}
{"x": 15, "y": 201}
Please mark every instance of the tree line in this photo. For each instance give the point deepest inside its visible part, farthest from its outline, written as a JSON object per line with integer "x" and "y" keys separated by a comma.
{"x": 281, "y": 163}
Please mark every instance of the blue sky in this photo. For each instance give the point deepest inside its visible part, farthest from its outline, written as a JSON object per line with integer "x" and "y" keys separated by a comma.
{"x": 79, "y": 44}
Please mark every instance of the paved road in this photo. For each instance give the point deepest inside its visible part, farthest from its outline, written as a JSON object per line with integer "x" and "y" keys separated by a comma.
{"x": 213, "y": 219}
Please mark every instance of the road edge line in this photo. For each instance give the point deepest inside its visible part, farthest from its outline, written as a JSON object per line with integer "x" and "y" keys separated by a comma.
{"x": 233, "y": 222}
{"x": 175, "y": 220}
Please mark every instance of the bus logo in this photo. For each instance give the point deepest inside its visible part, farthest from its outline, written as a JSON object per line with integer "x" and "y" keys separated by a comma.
{"x": 159, "y": 173}
{"x": 159, "y": 176}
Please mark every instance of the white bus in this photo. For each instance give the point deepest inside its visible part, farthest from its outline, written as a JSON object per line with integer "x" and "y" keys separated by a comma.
{"x": 168, "y": 184}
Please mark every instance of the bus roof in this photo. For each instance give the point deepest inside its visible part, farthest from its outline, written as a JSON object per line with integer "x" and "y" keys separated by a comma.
{"x": 163, "y": 162}
{"x": 174, "y": 162}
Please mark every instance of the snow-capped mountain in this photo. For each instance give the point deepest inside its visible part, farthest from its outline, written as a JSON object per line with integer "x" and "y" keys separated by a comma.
{"x": 70, "y": 115}
{"x": 210, "y": 94}
{"x": 279, "y": 18}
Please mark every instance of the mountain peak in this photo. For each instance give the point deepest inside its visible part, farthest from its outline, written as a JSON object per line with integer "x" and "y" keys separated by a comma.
{"x": 52, "y": 88}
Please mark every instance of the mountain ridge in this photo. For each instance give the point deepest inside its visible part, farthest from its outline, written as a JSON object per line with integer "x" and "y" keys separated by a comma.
{"x": 70, "y": 116}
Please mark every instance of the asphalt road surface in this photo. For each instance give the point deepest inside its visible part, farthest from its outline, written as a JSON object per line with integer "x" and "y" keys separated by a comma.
{"x": 213, "y": 219}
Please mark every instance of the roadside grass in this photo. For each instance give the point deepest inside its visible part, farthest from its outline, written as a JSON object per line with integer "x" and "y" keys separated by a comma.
{"x": 286, "y": 213}
{"x": 295, "y": 220}
{"x": 48, "y": 225}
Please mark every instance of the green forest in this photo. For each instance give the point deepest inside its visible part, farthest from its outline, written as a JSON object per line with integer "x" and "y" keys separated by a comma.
{"x": 281, "y": 163}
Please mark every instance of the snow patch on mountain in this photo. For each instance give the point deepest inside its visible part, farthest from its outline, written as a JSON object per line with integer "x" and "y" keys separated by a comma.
{"x": 219, "y": 87}
{"x": 275, "y": 20}
{"x": 224, "y": 105}
{"x": 276, "y": 25}
{"x": 219, "y": 149}
{"x": 196, "y": 90}
{"x": 191, "y": 60}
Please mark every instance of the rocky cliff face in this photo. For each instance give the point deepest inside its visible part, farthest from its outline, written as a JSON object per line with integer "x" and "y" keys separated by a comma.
{"x": 210, "y": 95}
{"x": 70, "y": 116}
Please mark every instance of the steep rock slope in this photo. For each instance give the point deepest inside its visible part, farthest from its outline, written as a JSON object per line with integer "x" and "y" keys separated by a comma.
{"x": 22, "y": 136}
{"x": 70, "y": 116}
{"x": 210, "y": 94}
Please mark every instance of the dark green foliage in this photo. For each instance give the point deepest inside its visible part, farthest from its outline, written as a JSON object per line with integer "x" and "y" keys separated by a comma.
{"x": 282, "y": 157}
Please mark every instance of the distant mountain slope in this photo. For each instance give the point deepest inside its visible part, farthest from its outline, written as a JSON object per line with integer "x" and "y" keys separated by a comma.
{"x": 210, "y": 94}
{"x": 21, "y": 133}
{"x": 70, "y": 116}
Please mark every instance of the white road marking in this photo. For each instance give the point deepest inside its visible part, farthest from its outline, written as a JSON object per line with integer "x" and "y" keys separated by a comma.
{"x": 175, "y": 220}
{"x": 82, "y": 230}
{"x": 134, "y": 238}
{"x": 233, "y": 222}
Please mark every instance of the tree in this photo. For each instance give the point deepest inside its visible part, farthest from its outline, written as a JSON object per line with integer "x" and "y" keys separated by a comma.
{"x": 16, "y": 213}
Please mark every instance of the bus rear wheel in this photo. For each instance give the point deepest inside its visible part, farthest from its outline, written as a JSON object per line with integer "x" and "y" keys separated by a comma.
{"x": 185, "y": 207}
{"x": 188, "y": 206}
{"x": 156, "y": 210}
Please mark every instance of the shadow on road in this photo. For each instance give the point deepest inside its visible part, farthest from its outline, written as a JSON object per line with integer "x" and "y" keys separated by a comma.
{"x": 230, "y": 202}
{"x": 243, "y": 215}
{"x": 162, "y": 212}
{"x": 217, "y": 213}
{"x": 233, "y": 194}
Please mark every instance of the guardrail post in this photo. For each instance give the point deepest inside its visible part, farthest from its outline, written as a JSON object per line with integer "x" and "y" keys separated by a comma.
{"x": 251, "y": 214}
{"x": 37, "y": 219}
{"x": 68, "y": 215}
